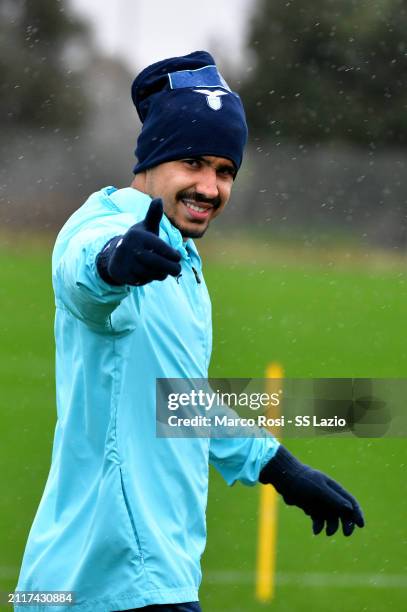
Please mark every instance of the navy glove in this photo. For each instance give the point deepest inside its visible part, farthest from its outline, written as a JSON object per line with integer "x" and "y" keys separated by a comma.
{"x": 139, "y": 256}
{"x": 323, "y": 499}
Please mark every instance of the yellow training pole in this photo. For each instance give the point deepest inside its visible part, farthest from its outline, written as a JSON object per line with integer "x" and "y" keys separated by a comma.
{"x": 267, "y": 532}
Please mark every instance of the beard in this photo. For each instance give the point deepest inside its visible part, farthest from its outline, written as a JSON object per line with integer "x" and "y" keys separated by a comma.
{"x": 188, "y": 233}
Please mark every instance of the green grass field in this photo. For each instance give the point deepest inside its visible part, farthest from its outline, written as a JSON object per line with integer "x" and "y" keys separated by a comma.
{"x": 317, "y": 320}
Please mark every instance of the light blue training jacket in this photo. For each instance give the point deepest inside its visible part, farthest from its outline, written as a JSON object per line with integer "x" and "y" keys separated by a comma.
{"x": 122, "y": 518}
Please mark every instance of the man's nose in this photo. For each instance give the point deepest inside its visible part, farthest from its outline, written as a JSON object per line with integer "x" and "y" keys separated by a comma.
{"x": 207, "y": 183}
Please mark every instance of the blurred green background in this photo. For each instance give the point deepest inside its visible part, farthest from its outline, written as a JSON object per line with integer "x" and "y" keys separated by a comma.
{"x": 316, "y": 320}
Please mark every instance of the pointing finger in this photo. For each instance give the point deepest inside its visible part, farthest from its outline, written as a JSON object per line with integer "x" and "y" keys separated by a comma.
{"x": 156, "y": 245}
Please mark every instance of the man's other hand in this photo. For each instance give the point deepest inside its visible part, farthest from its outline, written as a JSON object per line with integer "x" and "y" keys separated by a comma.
{"x": 323, "y": 499}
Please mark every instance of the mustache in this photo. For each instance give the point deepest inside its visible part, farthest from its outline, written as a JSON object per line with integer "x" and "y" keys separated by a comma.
{"x": 199, "y": 197}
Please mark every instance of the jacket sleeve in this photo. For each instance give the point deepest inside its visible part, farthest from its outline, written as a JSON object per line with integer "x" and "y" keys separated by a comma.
{"x": 77, "y": 284}
{"x": 242, "y": 458}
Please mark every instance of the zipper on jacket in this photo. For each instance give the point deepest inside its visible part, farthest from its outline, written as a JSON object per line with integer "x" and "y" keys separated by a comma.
{"x": 198, "y": 280}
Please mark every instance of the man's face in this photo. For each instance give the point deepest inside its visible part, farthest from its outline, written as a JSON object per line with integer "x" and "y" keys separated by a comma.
{"x": 193, "y": 190}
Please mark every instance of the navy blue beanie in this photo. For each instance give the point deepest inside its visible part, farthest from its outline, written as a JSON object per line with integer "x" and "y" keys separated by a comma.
{"x": 187, "y": 110}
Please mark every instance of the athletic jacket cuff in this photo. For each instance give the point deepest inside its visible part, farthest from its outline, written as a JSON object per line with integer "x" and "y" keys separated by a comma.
{"x": 281, "y": 468}
{"x": 103, "y": 258}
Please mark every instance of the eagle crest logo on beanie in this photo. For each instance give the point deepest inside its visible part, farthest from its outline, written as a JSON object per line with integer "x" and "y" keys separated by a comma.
{"x": 213, "y": 97}
{"x": 169, "y": 86}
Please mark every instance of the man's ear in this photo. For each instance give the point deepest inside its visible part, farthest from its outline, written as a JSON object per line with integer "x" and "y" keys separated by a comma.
{"x": 139, "y": 181}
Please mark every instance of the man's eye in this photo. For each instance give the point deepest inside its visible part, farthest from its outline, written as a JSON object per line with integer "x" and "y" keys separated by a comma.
{"x": 228, "y": 172}
{"x": 192, "y": 162}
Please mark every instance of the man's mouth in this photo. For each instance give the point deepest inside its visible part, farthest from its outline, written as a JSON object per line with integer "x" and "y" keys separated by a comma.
{"x": 196, "y": 211}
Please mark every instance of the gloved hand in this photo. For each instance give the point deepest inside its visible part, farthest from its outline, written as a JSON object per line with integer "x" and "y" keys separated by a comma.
{"x": 139, "y": 256}
{"x": 323, "y": 499}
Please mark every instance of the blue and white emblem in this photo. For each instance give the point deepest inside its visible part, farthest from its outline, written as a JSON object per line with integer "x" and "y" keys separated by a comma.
{"x": 213, "y": 97}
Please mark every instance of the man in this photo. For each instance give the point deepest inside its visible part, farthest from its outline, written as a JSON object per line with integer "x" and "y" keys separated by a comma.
{"x": 122, "y": 519}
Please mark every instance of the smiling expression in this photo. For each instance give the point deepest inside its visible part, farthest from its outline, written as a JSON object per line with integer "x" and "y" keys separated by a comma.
{"x": 193, "y": 190}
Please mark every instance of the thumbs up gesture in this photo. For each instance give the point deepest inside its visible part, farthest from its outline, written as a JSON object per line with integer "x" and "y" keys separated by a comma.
{"x": 139, "y": 256}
